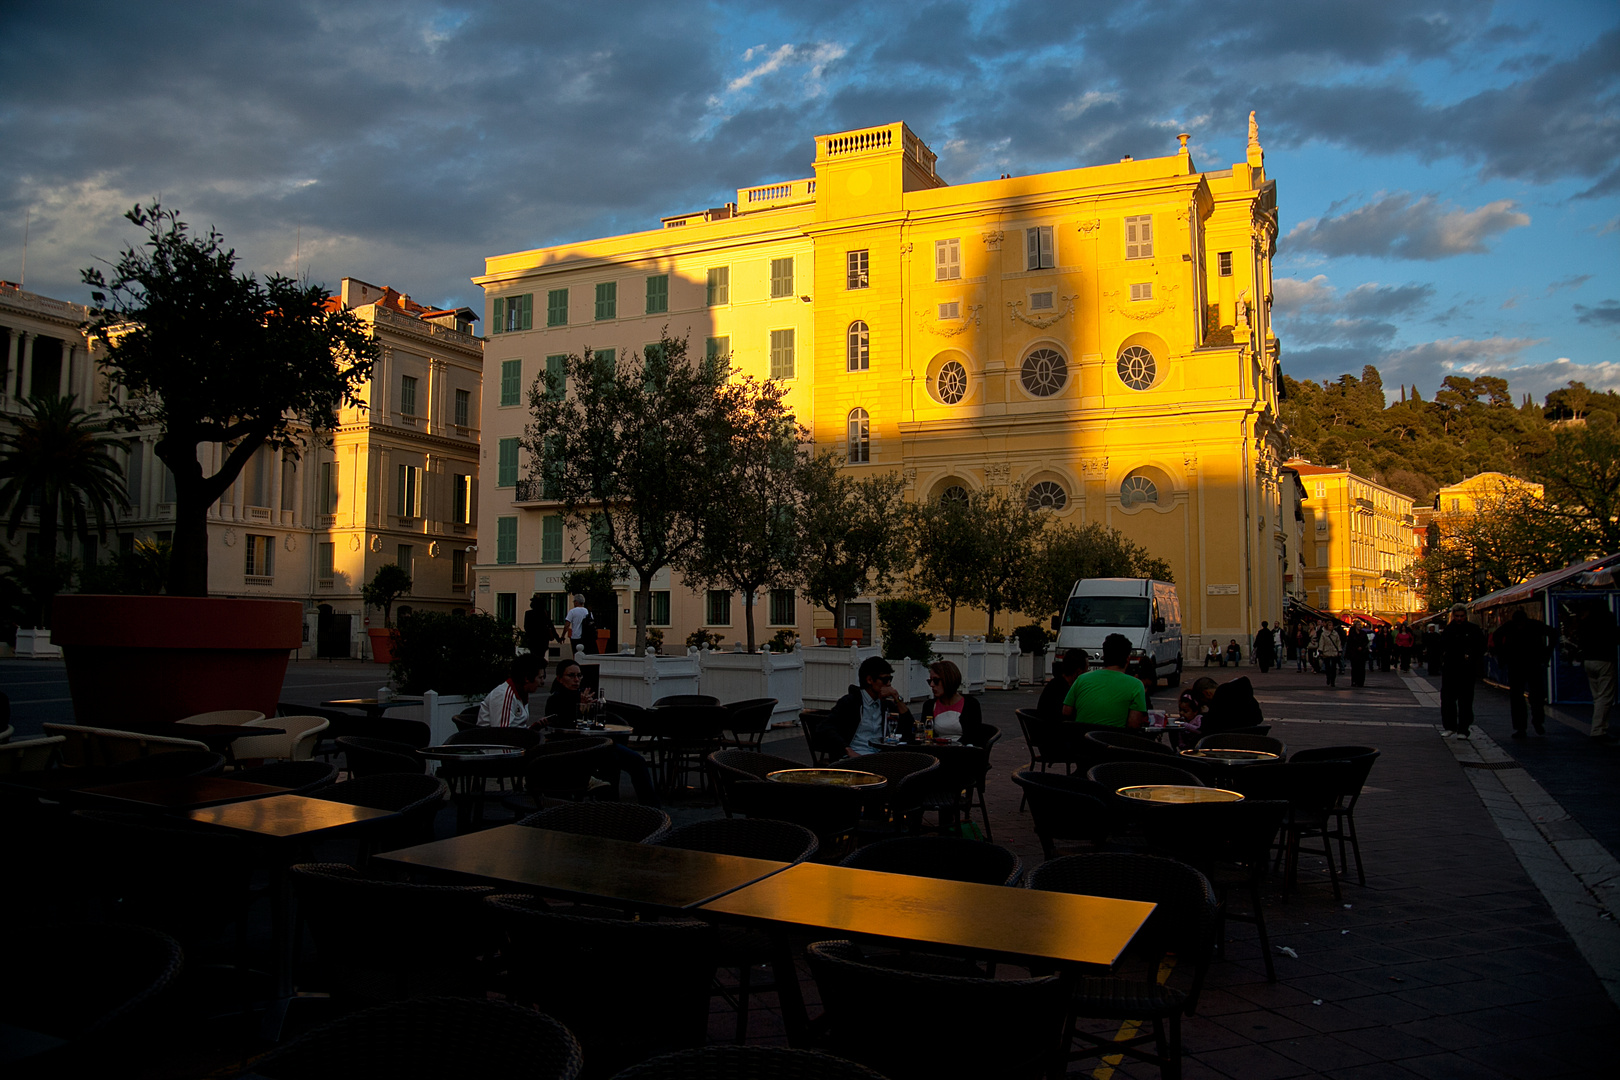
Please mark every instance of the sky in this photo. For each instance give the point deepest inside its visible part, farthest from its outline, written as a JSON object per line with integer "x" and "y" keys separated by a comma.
{"x": 1448, "y": 171}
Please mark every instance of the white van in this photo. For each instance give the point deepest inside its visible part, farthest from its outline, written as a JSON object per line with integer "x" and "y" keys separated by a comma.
{"x": 1148, "y": 612}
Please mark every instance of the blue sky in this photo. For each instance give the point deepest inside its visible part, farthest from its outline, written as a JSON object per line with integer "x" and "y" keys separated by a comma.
{"x": 1448, "y": 170}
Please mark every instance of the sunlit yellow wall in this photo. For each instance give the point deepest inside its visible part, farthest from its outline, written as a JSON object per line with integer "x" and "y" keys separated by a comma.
{"x": 1358, "y": 544}
{"x": 1466, "y": 496}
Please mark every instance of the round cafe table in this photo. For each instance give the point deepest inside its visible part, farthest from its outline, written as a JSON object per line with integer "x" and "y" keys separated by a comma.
{"x": 1178, "y": 794}
{"x": 1230, "y": 757}
{"x": 850, "y": 778}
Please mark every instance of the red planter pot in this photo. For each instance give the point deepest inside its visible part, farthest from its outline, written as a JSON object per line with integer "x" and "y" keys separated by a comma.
{"x": 168, "y": 657}
{"x": 382, "y": 644}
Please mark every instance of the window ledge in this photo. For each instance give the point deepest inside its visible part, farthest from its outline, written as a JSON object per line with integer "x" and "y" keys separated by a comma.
{"x": 258, "y": 579}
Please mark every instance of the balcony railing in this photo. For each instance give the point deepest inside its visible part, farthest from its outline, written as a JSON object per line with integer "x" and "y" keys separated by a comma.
{"x": 770, "y": 196}
{"x": 411, "y": 324}
{"x": 531, "y": 491}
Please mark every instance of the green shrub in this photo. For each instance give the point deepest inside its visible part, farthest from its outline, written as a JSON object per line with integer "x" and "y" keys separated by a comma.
{"x": 784, "y": 640}
{"x": 1033, "y": 637}
{"x": 995, "y": 635}
{"x": 655, "y": 638}
{"x": 701, "y": 637}
{"x": 901, "y": 620}
{"x": 451, "y": 653}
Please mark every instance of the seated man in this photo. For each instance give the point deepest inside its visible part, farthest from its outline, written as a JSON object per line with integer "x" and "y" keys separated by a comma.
{"x": 1108, "y": 697}
{"x": 856, "y": 719}
{"x": 1065, "y": 669}
{"x": 508, "y": 704}
{"x": 1214, "y": 656}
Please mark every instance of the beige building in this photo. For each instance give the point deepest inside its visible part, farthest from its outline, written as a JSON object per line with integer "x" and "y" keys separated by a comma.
{"x": 1359, "y": 551}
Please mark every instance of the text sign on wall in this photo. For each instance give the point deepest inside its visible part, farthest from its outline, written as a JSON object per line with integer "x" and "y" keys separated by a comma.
{"x": 1222, "y": 590}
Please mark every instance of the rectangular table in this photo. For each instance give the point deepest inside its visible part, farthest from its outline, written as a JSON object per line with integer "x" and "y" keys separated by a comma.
{"x": 588, "y": 867}
{"x": 286, "y": 817}
{"x": 180, "y": 792}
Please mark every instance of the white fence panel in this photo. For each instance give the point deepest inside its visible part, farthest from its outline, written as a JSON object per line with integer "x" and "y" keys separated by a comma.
{"x": 739, "y": 676}
{"x": 829, "y": 672}
{"x": 642, "y": 680}
{"x": 1001, "y": 671}
{"x": 968, "y": 655}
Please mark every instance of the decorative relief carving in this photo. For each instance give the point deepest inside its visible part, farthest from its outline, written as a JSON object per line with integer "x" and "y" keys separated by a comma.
{"x": 1042, "y": 324}
{"x": 909, "y": 476}
{"x": 905, "y": 249}
{"x": 942, "y": 329}
{"x": 1190, "y": 459}
{"x": 1142, "y": 310}
{"x": 290, "y": 542}
{"x": 229, "y": 538}
{"x": 434, "y": 549}
{"x": 1094, "y": 468}
{"x": 1089, "y": 225}
{"x": 376, "y": 543}
{"x": 997, "y": 472}
{"x": 354, "y": 542}
{"x": 993, "y": 238}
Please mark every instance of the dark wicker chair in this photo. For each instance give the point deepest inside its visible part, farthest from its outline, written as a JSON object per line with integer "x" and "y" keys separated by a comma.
{"x": 1183, "y": 923}
{"x": 958, "y": 786}
{"x": 373, "y": 757}
{"x": 298, "y": 777}
{"x": 1015, "y": 1030}
{"x": 1233, "y": 740}
{"x": 946, "y": 857}
{"x": 428, "y": 1038}
{"x": 413, "y": 733}
{"x": 1113, "y": 775}
{"x": 632, "y": 988}
{"x": 467, "y": 718}
{"x": 748, "y": 1063}
{"x": 1314, "y": 791}
{"x": 823, "y": 742}
{"x": 1123, "y": 746}
{"x": 369, "y": 960}
{"x": 677, "y": 700}
{"x": 913, "y": 776}
{"x": 832, "y": 813}
{"x": 730, "y": 767}
{"x": 565, "y": 768}
{"x": 630, "y": 822}
{"x": 750, "y": 720}
{"x": 1362, "y": 757}
{"x": 416, "y": 799}
{"x": 180, "y": 763}
{"x": 1066, "y": 808}
{"x": 689, "y": 733}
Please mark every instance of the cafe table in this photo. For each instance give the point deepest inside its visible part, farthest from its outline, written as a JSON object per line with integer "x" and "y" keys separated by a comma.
{"x": 373, "y": 707}
{"x": 1178, "y": 794}
{"x": 844, "y": 778}
{"x": 175, "y": 793}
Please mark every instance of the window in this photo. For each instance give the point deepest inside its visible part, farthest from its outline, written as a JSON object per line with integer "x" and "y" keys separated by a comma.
{"x": 1046, "y": 495}
{"x": 405, "y": 558}
{"x": 860, "y": 436}
{"x": 513, "y": 313}
{"x": 607, "y": 300}
{"x": 407, "y": 395}
{"x": 1321, "y": 492}
{"x": 952, "y": 310}
{"x": 606, "y": 362}
{"x": 506, "y": 540}
{"x": 657, "y": 294}
{"x": 1044, "y": 372}
{"x": 781, "y": 354}
{"x": 1040, "y": 301}
{"x": 1142, "y": 290}
{"x": 1135, "y": 490}
{"x": 458, "y": 569}
{"x": 557, "y": 307}
{"x": 408, "y": 491}
{"x": 289, "y": 481}
{"x": 855, "y": 270}
{"x": 257, "y": 489}
{"x": 716, "y": 350}
{"x": 719, "y": 286}
{"x": 464, "y": 408}
{"x": 950, "y": 385}
{"x": 551, "y": 538}
{"x": 1038, "y": 248}
{"x": 1137, "y": 368}
{"x": 329, "y": 487}
{"x": 506, "y": 463}
{"x": 551, "y": 467}
{"x": 1224, "y": 261}
{"x": 658, "y": 615}
{"x": 948, "y": 259}
{"x": 1139, "y": 237}
{"x": 599, "y": 540}
{"x": 461, "y": 499}
{"x": 1321, "y": 554}
{"x": 717, "y": 608}
{"x": 259, "y": 552}
{"x": 781, "y": 278}
{"x": 556, "y": 377}
{"x": 132, "y": 474}
{"x": 326, "y": 561}
{"x": 783, "y": 608}
{"x": 859, "y": 347}
{"x": 955, "y": 495}
{"x": 511, "y": 382}
{"x": 506, "y": 607}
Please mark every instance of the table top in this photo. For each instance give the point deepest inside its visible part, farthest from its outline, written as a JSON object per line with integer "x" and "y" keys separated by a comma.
{"x": 183, "y": 792}
{"x": 1230, "y": 757}
{"x": 1010, "y": 923}
{"x": 371, "y": 702}
{"x": 588, "y": 867}
{"x": 915, "y": 744}
{"x": 471, "y": 752}
{"x": 605, "y": 729}
{"x": 1177, "y": 793}
{"x": 850, "y": 778}
{"x": 285, "y": 816}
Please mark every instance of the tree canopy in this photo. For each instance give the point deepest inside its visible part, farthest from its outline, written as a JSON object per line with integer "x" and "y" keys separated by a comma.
{"x": 853, "y": 534}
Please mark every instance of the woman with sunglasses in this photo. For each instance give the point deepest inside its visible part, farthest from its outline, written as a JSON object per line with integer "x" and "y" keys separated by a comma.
{"x": 950, "y": 712}
{"x": 563, "y": 710}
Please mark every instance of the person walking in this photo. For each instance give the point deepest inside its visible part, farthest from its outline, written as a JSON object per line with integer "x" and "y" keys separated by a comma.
{"x": 1356, "y": 651}
{"x": 1403, "y": 646}
{"x": 1327, "y": 647}
{"x": 1302, "y": 648}
{"x": 538, "y": 629}
{"x": 1595, "y": 638}
{"x": 1461, "y": 649}
{"x": 1521, "y": 646}
{"x": 1265, "y": 647}
{"x": 1431, "y": 646}
{"x": 575, "y": 618}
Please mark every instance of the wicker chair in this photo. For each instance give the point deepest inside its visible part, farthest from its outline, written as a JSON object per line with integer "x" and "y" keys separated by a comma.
{"x": 750, "y": 720}
{"x": 690, "y": 733}
{"x": 1123, "y": 746}
{"x": 819, "y": 737}
{"x": 430, "y": 1037}
{"x": 298, "y": 777}
{"x": 1066, "y": 808}
{"x": 750, "y": 838}
{"x": 1232, "y": 740}
{"x": 373, "y": 757}
{"x": 112, "y": 746}
{"x": 32, "y": 755}
{"x": 832, "y": 813}
{"x": 630, "y": 822}
{"x": 681, "y": 700}
{"x": 912, "y": 775}
{"x": 959, "y": 785}
{"x": 747, "y": 1063}
{"x": 1315, "y": 791}
{"x": 946, "y": 857}
{"x": 224, "y": 716}
{"x": 367, "y": 961}
{"x": 731, "y": 767}
{"x": 416, "y": 799}
{"x": 1362, "y": 757}
{"x": 1015, "y": 1029}
{"x": 564, "y": 769}
{"x": 1183, "y": 922}
{"x": 181, "y": 763}
{"x": 1113, "y": 775}
{"x": 466, "y": 718}
{"x": 632, "y": 988}
{"x": 297, "y": 743}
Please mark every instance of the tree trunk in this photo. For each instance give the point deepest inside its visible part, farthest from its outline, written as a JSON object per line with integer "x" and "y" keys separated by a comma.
{"x": 952, "y": 635}
{"x": 188, "y": 558}
{"x": 838, "y": 620}
{"x": 643, "y": 607}
{"x": 748, "y": 616}
{"x": 990, "y": 623}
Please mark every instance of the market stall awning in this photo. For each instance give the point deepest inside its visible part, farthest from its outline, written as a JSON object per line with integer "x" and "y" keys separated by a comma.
{"x": 1365, "y": 616}
{"x": 1514, "y": 594}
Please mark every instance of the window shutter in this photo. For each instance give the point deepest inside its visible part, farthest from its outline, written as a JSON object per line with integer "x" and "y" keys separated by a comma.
{"x": 1048, "y": 257}
{"x": 497, "y": 322}
{"x": 1032, "y": 248}
{"x": 528, "y": 312}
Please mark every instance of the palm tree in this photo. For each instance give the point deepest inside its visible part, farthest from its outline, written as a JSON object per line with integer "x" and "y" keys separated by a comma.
{"x": 57, "y": 461}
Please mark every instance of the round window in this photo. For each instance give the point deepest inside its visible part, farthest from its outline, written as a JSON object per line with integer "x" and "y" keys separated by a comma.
{"x": 1138, "y": 489}
{"x": 1044, "y": 372}
{"x": 1137, "y": 368}
{"x": 950, "y": 385}
{"x": 1046, "y": 495}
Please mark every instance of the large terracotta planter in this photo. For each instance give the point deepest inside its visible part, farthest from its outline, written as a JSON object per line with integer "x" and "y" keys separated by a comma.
{"x": 168, "y": 657}
{"x": 382, "y": 644}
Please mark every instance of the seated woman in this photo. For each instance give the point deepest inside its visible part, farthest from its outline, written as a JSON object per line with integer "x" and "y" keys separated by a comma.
{"x": 1214, "y": 656}
{"x": 950, "y": 712}
{"x": 563, "y": 710}
{"x": 1231, "y": 707}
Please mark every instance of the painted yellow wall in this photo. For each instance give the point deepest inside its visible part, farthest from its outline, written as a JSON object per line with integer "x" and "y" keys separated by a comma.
{"x": 1358, "y": 544}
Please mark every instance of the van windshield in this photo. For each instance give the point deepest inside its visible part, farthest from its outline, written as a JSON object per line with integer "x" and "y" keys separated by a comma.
{"x": 1106, "y": 611}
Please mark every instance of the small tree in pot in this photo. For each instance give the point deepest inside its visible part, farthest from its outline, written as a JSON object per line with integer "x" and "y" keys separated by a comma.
{"x": 388, "y": 584}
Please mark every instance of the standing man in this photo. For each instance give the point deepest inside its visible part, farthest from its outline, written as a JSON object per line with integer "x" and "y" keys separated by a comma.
{"x": 1265, "y": 647}
{"x": 1462, "y": 649}
{"x": 1521, "y": 645}
{"x": 1327, "y": 647}
{"x": 1356, "y": 652}
{"x": 575, "y": 618}
{"x": 538, "y": 629}
{"x": 1595, "y": 637}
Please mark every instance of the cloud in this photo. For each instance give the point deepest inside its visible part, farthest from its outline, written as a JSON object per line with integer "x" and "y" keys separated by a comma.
{"x": 1574, "y": 281}
{"x": 1397, "y": 226}
{"x": 1606, "y": 313}
{"x": 1538, "y": 379}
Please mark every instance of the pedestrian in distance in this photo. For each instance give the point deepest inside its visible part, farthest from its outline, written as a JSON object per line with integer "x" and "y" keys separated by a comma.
{"x": 1522, "y": 650}
{"x": 1234, "y": 653}
{"x": 1327, "y": 647}
{"x": 538, "y": 629}
{"x": 1403, "y": 646}
{"x": 576, "y": 618}
{"x": 1462, "y": 650}
{"x": 1356, "y": 651}
{"x": 1265, "y": 647}
{"x": 1595, "y": 640}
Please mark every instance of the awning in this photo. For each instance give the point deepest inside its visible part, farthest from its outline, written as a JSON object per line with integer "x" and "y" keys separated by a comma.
{"x": 1514, "y": 594}
{"x": 1366, "y": 617}
{"x": 1301, "y": 607}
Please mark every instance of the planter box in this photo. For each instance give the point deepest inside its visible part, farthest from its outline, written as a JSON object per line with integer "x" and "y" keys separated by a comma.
{"x": 169, "y": 657}
{"x": 437, "y": 711}
{"x": 1032, "y": 667}
{"x": 739, "y": 676}
{"x": 1001, "y": 664}
{"x": 36, "y": 642}
{"x": 642, "y": 680}
{"x": 968, "y": 655}
{"x": 911, "y": 679}
{"x": 829, "y": 672}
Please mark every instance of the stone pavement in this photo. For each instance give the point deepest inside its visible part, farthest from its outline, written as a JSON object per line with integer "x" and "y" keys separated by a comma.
{"x": 1451, "y": 961}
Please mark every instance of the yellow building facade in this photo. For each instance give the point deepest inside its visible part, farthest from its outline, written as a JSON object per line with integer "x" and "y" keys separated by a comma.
{"x": 1358, "y": 544}
{"x": 1099, "y": 338}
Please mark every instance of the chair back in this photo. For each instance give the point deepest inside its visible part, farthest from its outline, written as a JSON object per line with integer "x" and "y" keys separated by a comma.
{"x": 1065, "y": 808}
{"x": 832, "y": 813}
{"x": 1123, "y": 746}
{"x": 298, "y": 744}
{"x": 83, "y": 981}
{"x": 1232, "y": 740}
{"x": 630, "y": 822}
{"x": 672, "y": 700}
{"x": 1016, "y": 1027}
{"x": 751, "y": 838}
{"x": 31, "y": 755}
{"x": 948, "y": 857}
{"x": 747, "y": 765}
{"x": 181, "y": 763}
{"x": 298, "y": 777}
{"x": 1312, "y": 789}
{"x": 417, "y": 799}
{"x": 111, "y": 746}
{"x": 1210, "y": 835}
{"x": 430, "y": 1037}
{"x": 824, "y": 743}
{"x": 466, "y": 718}
{"x": 225, "y": 716}
{"x": 373, "y": 757}
{"x": 562, "y": 768}
{"x": 747, "y": 1063}
{"x": 1113, "y": 775}
{"x": 522, "y": 738}
{"x": 1361, "y": 757}
{"x": 750, "y": 719}
{"x": 412, "y": 733}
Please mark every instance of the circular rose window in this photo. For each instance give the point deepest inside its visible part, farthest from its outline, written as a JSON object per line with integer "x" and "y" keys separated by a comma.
{"x": 1044, "y": 372}
{"x": 951, "y": 383}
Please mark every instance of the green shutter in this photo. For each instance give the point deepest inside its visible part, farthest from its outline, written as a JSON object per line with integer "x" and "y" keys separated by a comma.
{"x": 556, "y": 376}
{"x": 557, "y": 307}
{"x": 506, "y": 540}
{"x": 497, "y": 321}
{"x": 657, "y": 294}
{"x": 528, "y": 312}
{"x": 599, "y": 545}
{"x": 506, "y": 469}
{"x": 511, "y": 381}
{"x": 551, "y": 539}
{"x": 607, "y": 300}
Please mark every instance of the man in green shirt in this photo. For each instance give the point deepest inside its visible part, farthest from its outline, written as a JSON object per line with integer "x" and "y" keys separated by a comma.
{"x": 1108, "y": 696}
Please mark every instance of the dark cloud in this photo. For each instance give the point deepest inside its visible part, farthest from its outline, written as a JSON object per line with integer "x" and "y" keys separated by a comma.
{"x": 1605, "y": 313}
{"x": 1397, "y": 226}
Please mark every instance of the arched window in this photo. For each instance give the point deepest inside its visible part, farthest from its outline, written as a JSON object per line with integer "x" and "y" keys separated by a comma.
{"x": 860, "y": 436}
{"x": 1044, "y": 372}
{"x": 956, "y": 495}
{"x": 950, "y": 385}
{"x": 1046, "y": 495}
{"x": 1136, "y": 489}
{"x": 860, "y": 346}
{"x": 1137, "y": 368}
